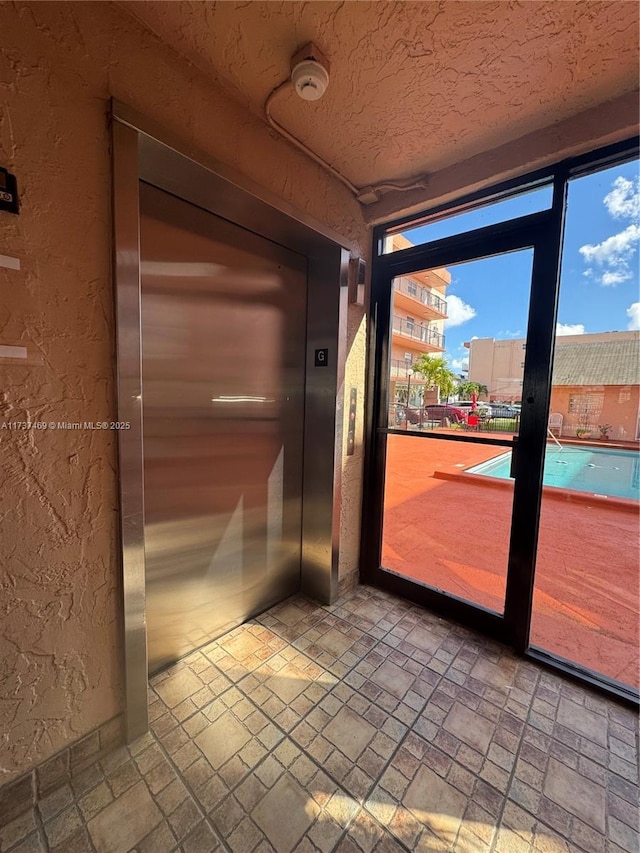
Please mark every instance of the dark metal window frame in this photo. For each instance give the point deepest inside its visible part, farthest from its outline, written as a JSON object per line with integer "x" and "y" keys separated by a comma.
{"x": 543, "y": 232}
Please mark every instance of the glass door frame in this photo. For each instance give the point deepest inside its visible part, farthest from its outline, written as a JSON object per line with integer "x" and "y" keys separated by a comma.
{"x": 542, "y": 232}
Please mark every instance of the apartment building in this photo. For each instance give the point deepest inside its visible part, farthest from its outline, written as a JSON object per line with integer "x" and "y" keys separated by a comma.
{"x": 595, "y": 379}
{"x": 499, "y": 365}
{"x": 419, "y": 310}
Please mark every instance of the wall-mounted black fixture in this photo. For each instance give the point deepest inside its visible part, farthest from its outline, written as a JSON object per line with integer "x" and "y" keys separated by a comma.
{"x": 8, "y": 191}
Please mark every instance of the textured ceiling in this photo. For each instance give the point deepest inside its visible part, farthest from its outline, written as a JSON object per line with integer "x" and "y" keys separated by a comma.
{"x": 415, "y": 86}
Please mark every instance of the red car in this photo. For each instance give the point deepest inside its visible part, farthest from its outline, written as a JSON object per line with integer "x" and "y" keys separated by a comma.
{"x": 438, "y": 412}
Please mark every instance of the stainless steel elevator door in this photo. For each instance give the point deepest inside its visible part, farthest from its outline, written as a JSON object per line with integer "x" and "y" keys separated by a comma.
{"x": 223, "y": 351}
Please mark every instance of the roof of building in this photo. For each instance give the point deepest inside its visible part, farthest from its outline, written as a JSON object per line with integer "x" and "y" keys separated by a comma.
{"x": 614, "y": 362}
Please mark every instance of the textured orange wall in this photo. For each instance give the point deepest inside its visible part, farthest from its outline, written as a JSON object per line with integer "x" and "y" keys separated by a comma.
{"x": 418, "y": 86}
{"x": 60, "y": 650}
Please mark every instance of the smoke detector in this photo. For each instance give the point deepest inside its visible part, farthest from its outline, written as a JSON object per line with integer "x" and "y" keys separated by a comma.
{"x": 310, "y": 73}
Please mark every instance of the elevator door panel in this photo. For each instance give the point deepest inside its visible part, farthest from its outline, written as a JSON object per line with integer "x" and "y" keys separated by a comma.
{"x": 223, "y": 349}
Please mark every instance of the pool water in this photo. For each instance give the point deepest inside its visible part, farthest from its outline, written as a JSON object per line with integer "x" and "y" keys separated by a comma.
{"x": 595, "y": 470}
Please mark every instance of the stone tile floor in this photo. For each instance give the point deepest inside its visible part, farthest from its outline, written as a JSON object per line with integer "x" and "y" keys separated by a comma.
{"x": 370, "y": 725}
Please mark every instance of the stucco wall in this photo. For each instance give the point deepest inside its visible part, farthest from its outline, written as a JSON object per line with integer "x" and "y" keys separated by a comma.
{"x": 60, "y": 664}
{"x": 352, "y": 466}
{"x": 620, "y": 408}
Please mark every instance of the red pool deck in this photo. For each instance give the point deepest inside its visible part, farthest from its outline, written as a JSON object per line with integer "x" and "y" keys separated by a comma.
{"x": 453, "y": 534}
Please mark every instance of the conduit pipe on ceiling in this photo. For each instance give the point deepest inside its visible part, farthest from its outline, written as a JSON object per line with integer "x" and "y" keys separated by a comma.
{"x": 287, "y": 84}
{"x": 363, "y": 195}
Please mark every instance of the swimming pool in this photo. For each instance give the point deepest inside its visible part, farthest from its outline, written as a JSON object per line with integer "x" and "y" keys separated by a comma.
{"x": 595, "y": 470}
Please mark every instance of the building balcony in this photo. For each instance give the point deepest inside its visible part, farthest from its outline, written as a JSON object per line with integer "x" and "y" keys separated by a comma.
{"x": 407, "y": 292}
{"x": 399, "y": 369}
{"x": 417, "y": 337}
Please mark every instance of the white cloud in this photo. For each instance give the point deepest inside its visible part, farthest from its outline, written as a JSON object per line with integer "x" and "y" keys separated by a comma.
{"x": 623, "y": 202}
{"x": 612, "y": 248}
{"x": 610, "y": 279}
{"x": 459, "y": 312}
{"x": 633, "y": 312}
{"x": 569, "y": 329}
{"x": 506, "y": 333}
{"x": 614, "y": 254}
{"x": 459, "y": 364}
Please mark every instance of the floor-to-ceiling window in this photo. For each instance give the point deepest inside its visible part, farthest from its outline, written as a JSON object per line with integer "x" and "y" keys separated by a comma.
{"x": 503, "y": 480}
{"x": 585, "y": 603}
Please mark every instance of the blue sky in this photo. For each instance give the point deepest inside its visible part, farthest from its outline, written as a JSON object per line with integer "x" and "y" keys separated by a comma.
{"x": 599, "y": 284}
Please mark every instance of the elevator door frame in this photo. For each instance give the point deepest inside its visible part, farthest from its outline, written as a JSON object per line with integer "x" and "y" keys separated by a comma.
{"x": 144, "y": 152}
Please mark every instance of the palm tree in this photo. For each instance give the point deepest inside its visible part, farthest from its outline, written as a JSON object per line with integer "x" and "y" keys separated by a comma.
{"x": 436, "y": 373}
{"x": 466, "y": 389}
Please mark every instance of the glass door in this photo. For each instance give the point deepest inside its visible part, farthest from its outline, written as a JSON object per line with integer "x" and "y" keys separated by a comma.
{"x": 463, "y": 331}
{"x": 454, "y": 390}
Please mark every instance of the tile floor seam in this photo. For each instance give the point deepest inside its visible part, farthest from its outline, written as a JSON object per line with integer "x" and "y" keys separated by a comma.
{"x": 91, "y": 788}
{"x": 257, "y": 707}
{"x": 386, "y": 832}
{"x": 346, "y": 833}
{"x": 498, "y": 819}
{"x": 506, "y": 798}
{"x": 91, "y": 844}
{"x": 123, "y": 794}
{"x": 376, "y": 782}
{"x": 42, "y": 835}
{"x": 180, "y": 775}
{"x": 361, "y": 801}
